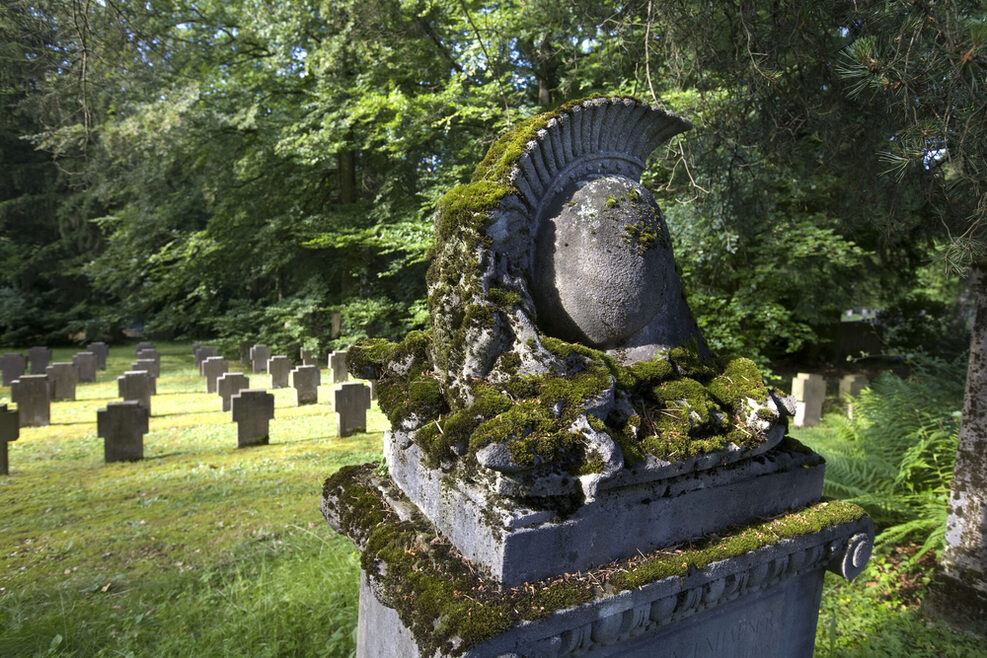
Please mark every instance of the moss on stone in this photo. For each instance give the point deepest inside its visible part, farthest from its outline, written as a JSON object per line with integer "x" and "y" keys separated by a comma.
{"x": 740, "y": 380}
{"x": 367, "y": 357}
{"x": 466, "y": 207}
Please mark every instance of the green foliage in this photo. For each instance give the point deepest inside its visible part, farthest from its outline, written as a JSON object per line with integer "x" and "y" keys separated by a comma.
{"x": 895, "y": 457}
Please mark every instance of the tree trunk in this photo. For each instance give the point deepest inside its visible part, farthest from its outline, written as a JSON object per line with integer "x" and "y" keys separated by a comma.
{"x": 346, "y": 166}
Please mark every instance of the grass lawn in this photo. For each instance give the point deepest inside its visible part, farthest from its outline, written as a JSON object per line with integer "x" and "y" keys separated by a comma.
{"x": 202, "y": 549}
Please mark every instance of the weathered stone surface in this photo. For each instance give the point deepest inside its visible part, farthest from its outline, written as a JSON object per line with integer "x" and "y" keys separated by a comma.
{"x": 144, "y": 345}
{"x": 229, "y": 384}
{"x": 9, "y": 431}
{"x": 212, "y": 368}
{"x": 305, "y": 380}
{"x": 39, "y": 357}
{"x": 102, "y": 352}
{"x": 279, "y": 367}
{"x": 149, "y": 353}
{"x": 809, "y": 391}
{"x": 337, "y": 364}
{"x": 13, "y": 364}
{"x": 31, "y": 394}
{"x": 259, "y": 355}
{"x": 86, "y": 364}
{"x": 202, "y": 353}
{"x": 309, "y": 357}
{"x": 253, "y": 410}
{"x": 150, "y": 365}
{"x": 137, "y": 385}
{"x": 122, "y": 425}
{"x": 63, "y": 378}
{"x": 244, "y": 349}
{"x": 351, "y": 401}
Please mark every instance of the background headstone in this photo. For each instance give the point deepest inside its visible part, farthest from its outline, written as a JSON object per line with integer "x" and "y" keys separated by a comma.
{"x": 149, "y": 353}
{"x": 102, "y": 352}
{"x": 337, "y": 363}
{"x": 309, "y": 357}
{"x": 335, "y": 324}
{"x": 810, "y": 392}
{"x": 201, "y": 354}
{"x": 229, "y": 384}
{"x": 39, "y": 357}
{"x": 212, "y": 368}
{"x": 279, "y": 368}
{"x": 144, "y": 345}
{"x": 13, "y": 364}
{"x": 32, "y": 396}
{"x": 137, "y": 385}
{"x": 351, "y": 403}
{"x": 253, "y": 409}
{"x": 122, "y": 425}
{"x": 150, "y": 365}
{"x": 259, "y": 354}
{"x": 86, "y": 363}
{"x": 851, "y": 385}
{"x": 305, "y": 380}
{"x": 245, "y": 353}
{"x": 62, "y": 379}
{"x": 9, "y": 431}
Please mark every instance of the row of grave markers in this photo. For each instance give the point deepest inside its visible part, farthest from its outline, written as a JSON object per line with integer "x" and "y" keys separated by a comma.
{"x": 809, "y": 391}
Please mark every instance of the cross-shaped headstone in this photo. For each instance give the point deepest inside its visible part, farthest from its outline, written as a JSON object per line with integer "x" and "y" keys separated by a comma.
{"x": 149, "y": 354}
{"x": 253, "y": 409}
{"x": 9, "y": 431}
{"x": 229, "y": 384}
{"x": 305, "y": 380}
{"x": 337, "y": 363}
{"x": 85, "y": 362}
{"x": 122, "y": 426}
{"x": 150, "y": 365}
{"x": 14, "y": 364}
{"x": 351, "y": 403}
{"x": 39, "y": 358}
{"x": 259, "y": 354}
{"x": 212, "y": 368}
{"x": 63, "y": 377}
{"x": 136, "y": 385}
{"x": 810, "y": 392}
{"x": 102, "y": 351}
{"x": 280, "y": 368}
{"x": 32, "y": 395}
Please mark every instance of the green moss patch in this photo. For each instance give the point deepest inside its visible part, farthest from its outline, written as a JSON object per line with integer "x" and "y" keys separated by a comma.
{"x": 440, "y": 597}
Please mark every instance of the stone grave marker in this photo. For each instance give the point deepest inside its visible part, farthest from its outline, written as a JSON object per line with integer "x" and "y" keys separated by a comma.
{"x": 39, "y": 357}
{"x": 305, "y": 380}
{"x": 229, "y": 384}
{"x": 259, "y": 355}
{"x": 14, "y": 364}
{"x": 809, "y": 391}
{"x": 144, "y": 345}
{"x": 62, "y": 380}
{"x": 309, "y": 357}
{"x": 335, "y": 324}
{"x": 86, "y": 363}
{"x": 851, "y": 385}
{"x": 245, "y": 352}
{"x": 212, "y": 368}
{"x": 102, "y": 352}
{"x": 32, "y": 394}
{"x": 122, "y": 426}
{"x": 137, "y": 385}
{"x": 150, "y": 353}
{"x": 337, "y": 364}
{"x": 204, "y": 352}
{"x": 551, "y": 473}
{"x": 150, "y": 365}
{"x": 253, "y": 409}
{"x": 9, "y": 431}
{"x": 351, "y": 401}
{"x": 279, "y": 368}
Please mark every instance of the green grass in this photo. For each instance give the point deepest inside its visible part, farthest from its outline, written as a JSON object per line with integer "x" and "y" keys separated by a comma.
{"x": 205, "y": 550}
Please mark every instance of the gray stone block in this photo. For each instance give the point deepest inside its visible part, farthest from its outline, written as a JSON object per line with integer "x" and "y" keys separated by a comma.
{"x": 86, "y": 364}
{"x": 253, "y": 410}
{"x": 852, "y": 385}
{"x": 259, "y": 355}
{"x": 151, "y": 354}
{"x": 39, "y": 357}
{"x": 351, "y": 402}
{"x": 143, "y": 345}
{"x": 309, "y": 357}
{"x": 305, "y": 380}
{"x": 279, "y": 367}
{"x": 150, "y": 365}
{"x": 122, "y": 426}
{"x": 102, "y": 352}
{"x": 9, "y": 431}
{"x": 13, "y": 364}
{"x": 809, "y": 391}
{"x": 245, "y": 353}
{"x": 31, "y": 394}
{"x": 213, "y": 368}
{"x": 62, "y": 378}
{"x": 229, "y": 384}
{"x": 136, "y": 385}
{"x": 201, "y": 353}
{"x": 337, "y": 363}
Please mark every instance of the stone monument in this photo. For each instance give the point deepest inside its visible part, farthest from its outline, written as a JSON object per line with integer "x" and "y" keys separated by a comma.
{"x": 337, "y": 364}
{"x": 279, "y": 367}
{"x": 9, "y": 431}
{"x": 213, "y": 367}
{"x": 136, "y": 385}
{"x": 122, "y": 425}
{"x": 809, "y": 391}
{"x": 229, "y": 384}
{"x": 259, "y": 354}
{"x": 32, "y": 394}
{"x": 305, "y": 380}
{"x": 102, "y": 352}
{"x": 62, "y": 378}
{"x": 13, "y": 364}
{"x": 86, "y": 364}
{"x": 570, "y": 471}
{"x": 253, "y": 409}
{"x": 351, "y": 401}
{"x": 39, "y": 357}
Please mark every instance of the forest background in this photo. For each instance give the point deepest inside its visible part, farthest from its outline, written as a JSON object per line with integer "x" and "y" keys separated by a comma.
{"x": 245, "y": 168}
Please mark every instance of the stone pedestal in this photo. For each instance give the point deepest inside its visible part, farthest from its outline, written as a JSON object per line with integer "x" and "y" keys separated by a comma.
{"x": 337, "y": 364}
{"x": 253, "y": 410}
{"x": 122, "y": 425}
{"x": 229, "y": 384}
{"x": 279, "y": 367}
{"x": 305, "y": 380}
{"x": 32, "y": 395}
{"x": 9, "y": 431}
{"x": 63, "y": 378}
